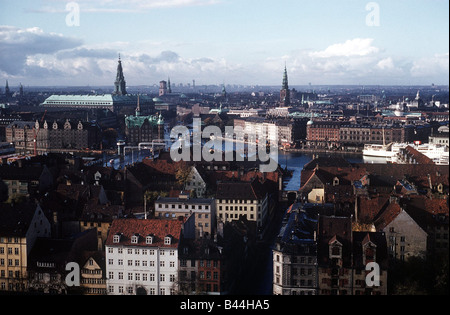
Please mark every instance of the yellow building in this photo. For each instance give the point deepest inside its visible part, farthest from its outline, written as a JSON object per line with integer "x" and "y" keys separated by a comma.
{"x": 100, "y": 217}
{"x": 93, "y": 277}
{"x": 242, "y": 199}
{"x": 20, "y": 226}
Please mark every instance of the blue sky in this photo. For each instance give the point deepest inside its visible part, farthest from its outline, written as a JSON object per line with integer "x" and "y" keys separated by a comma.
{"x": 233, "y": 41}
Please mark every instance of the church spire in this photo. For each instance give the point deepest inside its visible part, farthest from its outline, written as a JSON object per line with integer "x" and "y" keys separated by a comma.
{"x": 138, "y": 108}
{"x": 120, "y": 84}
{"x": 285, "y": 94}
{"x": 285, "y": 79}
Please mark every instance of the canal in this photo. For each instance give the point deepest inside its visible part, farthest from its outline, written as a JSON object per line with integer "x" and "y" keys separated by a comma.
{"x": 258, "y": 279}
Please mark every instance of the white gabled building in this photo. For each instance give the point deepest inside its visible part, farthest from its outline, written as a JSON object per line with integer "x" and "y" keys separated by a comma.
{"x": 142, "y": 257}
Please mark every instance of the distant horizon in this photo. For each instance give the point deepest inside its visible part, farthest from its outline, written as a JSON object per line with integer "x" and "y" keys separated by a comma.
{"x": 429, "y": 86}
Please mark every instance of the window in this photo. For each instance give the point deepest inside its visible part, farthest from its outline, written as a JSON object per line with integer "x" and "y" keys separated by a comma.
{"x": 116, "y": 238}
{"x": 168, "y": 240}
{"x": 135, "y": 239}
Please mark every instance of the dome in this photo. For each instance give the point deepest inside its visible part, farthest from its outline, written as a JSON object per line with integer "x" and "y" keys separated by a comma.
{"x": 310, "y": 123}
{"x": 157, "y": 100}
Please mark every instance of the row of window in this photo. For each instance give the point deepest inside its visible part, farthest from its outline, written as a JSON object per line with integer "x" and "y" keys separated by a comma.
{"x": 145, "y": 277}
{"x": 10, "y": 262}
{"x": 9, "y": 240}
{"x": 237, "y": 208}
{"x": 202, "y": 263}
{"x": 10, "y": 251}
{"x": 138, "y": 251}
{"x": 139, "y": 263}
{"x": 132, "y": 290}
{"x": 148, "y": 239}
{"x": 236, "y": 216}
{"x": 236, "y": 201}
{"x": 181, "y": 207}
{"x": 11, "y": 274}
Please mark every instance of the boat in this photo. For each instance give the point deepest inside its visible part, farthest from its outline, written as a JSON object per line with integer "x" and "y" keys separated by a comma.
{"x": 383, "y": 151}
{"x": 438, "y": 153}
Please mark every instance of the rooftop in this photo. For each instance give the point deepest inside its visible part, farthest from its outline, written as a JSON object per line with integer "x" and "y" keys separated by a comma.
{"x": 158, "y": 229}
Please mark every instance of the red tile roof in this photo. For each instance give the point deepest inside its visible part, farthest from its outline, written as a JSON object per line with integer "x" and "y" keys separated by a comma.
{"x": 158, "y": 228}
{"x": 388, "y": 215}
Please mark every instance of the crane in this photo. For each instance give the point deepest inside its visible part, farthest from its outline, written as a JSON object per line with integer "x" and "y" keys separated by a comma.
{"x": 36, "y": 134}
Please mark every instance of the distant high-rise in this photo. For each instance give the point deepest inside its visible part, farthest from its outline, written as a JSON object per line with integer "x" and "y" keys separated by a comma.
{"x": 120, "y": 84}
{"x": 285, "y": 94}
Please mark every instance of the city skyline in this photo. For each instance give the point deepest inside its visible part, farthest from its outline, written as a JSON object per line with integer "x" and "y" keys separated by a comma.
{"x": 247, "y": 42}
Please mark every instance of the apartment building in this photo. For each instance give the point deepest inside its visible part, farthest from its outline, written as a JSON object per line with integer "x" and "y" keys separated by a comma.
{"x": 204, "y": 211}
{"x": 242, "y": 199}
{"x": 20, "y": 226}
{"x": 295, "y": 255}
{"x": 142, "y": 257}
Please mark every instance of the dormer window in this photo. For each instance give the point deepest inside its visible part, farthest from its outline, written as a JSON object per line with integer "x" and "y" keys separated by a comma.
{"x": 335, "y": 249}
{"x": 117, "y": 238}
{"x": 149, "y": 239}
{"x": 135, "y": 239}
{"x": 168, "y": 240}
{"x": 369, "y": 253}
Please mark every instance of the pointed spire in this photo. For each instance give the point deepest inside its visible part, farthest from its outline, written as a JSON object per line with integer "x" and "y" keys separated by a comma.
{"x": 120, "y": 84}
{"x": 7, "y": 91}
{"x": 138, "y": 108}
{"x": 285, "y": 95}
{"x": 168, "y": 86}
{"x": 285, "y": 79}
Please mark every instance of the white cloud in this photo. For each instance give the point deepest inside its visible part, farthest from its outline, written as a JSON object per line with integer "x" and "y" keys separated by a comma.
{"x": 431, "y": 66}
{"x": 352, "y": 47}
{"x": 121, "y": 6}
{"x": 17, "y": 44}
{"x": 35, "y": 57}
{"x": 386, "y": 64}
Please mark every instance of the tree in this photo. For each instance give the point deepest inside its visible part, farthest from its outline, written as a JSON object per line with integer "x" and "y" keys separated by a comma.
{"x": 150, "y": 197}
{"x": 182, "y": 174}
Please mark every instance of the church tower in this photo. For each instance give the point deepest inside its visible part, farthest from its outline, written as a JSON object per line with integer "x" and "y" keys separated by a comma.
{"x": 285, "y": 94}
{"x": 120, "y": 84}
{"x": 7, "y": 90}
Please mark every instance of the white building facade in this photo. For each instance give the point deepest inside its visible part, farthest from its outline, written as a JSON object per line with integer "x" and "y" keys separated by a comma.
{"x": 142, "y": 257}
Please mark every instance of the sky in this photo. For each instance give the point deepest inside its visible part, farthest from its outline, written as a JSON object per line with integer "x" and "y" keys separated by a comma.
{"x": 245, "y": 42}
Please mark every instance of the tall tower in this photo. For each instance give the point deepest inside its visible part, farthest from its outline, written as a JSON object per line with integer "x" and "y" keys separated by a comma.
{"x": 160, "y": 124}
{"x": 138, "y": 108}
{"x": 162, "y": 88}
{"x": 7, "y": 90}
{"x": 285, "y": 94}
{"x": 120, "y": 84}
{"x": 169, "y": 88}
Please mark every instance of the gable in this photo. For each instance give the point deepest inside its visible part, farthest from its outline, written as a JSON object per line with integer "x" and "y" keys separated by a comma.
{"x": 403, "y": 222}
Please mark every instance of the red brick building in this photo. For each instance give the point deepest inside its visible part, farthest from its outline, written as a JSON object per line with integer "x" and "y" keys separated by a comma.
{"x": 323, "y": 134}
